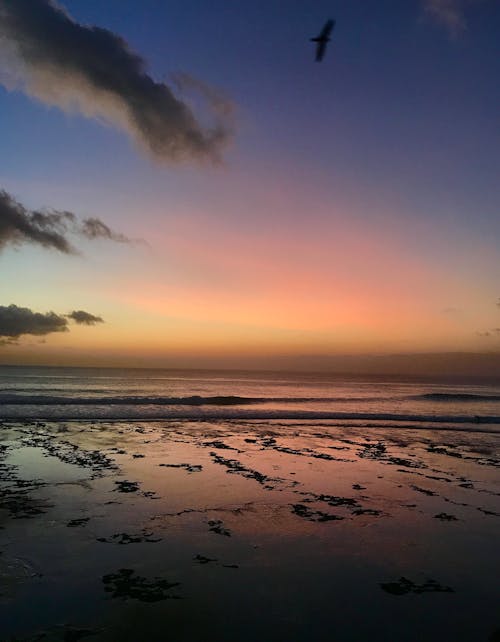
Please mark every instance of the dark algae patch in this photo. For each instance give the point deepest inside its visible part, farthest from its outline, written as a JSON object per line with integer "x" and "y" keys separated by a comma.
{"x": 334, "y": 500}
{"x": 201, "y": 559}
{"x": 313, "y": 515}
{"x": 404, "y": 586}
{"x": 378, "y": 452}
{"x": 190, "y": 468}
{"x": 372, "y": 451}
{"x": 219, "y": 444}
{"x": 271, "y": 444}
{"x": 424, "y": 491}
{"x": 70, "y": 453}
{"x": 367, "y": 511}
{"x": 125, "y": 538}
{"x": 445, "y": 517}
{"x": 73, "y": 523}
{"x": 236, "y": 467}
{"x": 217, "y": 526}
{"x": 126, "y": 486}
{"x": 125, "y": 584}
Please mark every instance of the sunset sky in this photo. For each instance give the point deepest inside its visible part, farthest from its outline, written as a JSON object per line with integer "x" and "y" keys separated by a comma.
{"x": 343, "y": 207}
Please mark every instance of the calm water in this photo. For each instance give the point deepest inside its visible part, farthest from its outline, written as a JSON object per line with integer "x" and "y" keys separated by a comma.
{"x": 83, "y": 393}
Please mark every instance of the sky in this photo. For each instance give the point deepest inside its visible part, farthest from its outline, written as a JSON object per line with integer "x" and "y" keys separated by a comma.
{"x": 228, "y": 198}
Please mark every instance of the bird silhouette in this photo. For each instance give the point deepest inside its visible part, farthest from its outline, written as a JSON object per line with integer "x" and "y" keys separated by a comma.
{"x": 323, "y": 39}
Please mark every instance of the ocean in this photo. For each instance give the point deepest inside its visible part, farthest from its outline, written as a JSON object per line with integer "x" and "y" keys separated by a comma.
{"x": 56, "y": 393}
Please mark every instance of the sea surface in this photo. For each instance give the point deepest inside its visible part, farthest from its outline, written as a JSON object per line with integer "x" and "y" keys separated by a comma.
{"x": 140, "y": 394}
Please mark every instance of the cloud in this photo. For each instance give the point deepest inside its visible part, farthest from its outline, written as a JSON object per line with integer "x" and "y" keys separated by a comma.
{"x": 219, "y": 103}
{"x": 50, "y": 229}
{"x": 92, "y": 71}
{"x": 16, "y": 321}
{"x": 455, "y": 314}
{"x": 18, "y": 225}
{"x": 93, "y": 228}
{"x": 449, "y": 13}
{"x": 493, "y": 332}
{"x": 85, "y": 318}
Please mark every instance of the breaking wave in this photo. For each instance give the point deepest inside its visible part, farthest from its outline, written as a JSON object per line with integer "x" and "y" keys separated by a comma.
{"x": 458, "y": 396}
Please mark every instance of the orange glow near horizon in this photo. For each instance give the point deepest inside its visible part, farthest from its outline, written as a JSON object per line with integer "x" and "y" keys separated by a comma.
{"x": 284, "y": 286}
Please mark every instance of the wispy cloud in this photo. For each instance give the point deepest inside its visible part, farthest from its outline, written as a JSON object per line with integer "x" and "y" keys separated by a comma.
{"x": 494, "y": 332}
{"x": 93, "y": 228}
{"x": 16, "y": 322}
{"x": 451, "y": 14}
{"x": 456, "y": 314}
{"x": 84, "y": 318}
{"x": 93, "y": 71}
{"x": 50, "y": 229}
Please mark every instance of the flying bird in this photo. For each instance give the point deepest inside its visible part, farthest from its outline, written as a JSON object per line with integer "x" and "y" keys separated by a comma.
{"x": 323, "y": 39}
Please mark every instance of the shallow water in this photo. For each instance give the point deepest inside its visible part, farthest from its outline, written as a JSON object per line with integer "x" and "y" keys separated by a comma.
{"x": 249, "y": 530}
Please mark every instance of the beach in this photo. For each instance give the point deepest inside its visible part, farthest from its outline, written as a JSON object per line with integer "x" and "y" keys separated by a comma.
{"x": 249, "y": 321}
{"x": 244, "y": 529}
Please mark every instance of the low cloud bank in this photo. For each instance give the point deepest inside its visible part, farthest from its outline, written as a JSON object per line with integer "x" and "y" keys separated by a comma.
{"x": 16, "y": 322}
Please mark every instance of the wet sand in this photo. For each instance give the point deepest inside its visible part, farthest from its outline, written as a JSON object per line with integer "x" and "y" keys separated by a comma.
{"x": 247, "y": 531}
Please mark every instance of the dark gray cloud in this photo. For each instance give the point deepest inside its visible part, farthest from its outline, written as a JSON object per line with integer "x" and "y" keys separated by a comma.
{"x": 93, "y": 71}
{"x": 93, "y": 228}
{"x": 49, "y": 229}
{"x": 85, "y": 318}
{"x": 18, "y": 225}
{"x": 16, "y": 321}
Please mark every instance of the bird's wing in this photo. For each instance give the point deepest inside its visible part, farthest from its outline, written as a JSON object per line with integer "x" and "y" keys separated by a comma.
{"x": 327, "y": 29}
{"x": 320, "y": 50}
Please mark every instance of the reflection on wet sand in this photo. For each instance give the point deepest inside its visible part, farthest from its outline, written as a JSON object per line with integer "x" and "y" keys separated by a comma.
{"x": 200, "y": 531}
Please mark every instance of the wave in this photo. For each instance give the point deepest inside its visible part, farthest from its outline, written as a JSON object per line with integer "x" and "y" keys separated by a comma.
{"x": 133, "y": 413}
{"x": 455, "y": 396}
{"x": 150, "y": 400}
{"x": 13, "y": 396}
{"x": 49, "y": 400}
